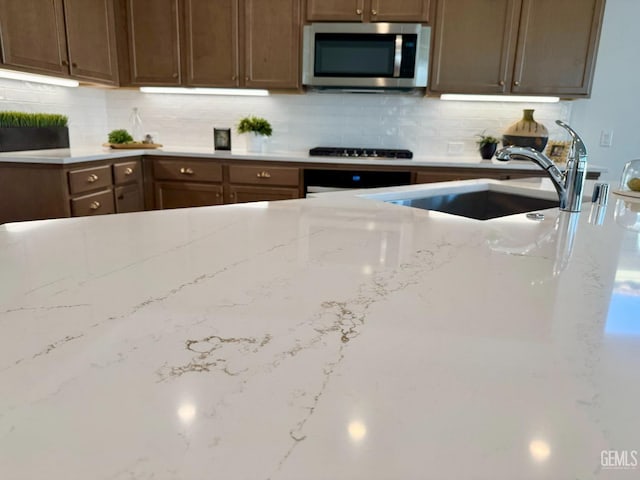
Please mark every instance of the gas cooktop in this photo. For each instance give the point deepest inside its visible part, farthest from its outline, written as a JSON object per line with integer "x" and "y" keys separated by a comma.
{"x": 359, "y": 152}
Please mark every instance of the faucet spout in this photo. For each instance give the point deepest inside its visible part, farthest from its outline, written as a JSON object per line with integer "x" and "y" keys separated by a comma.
{"x": 569, "y": 184}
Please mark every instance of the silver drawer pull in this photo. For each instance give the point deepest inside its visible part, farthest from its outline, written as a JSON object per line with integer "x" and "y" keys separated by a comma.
{"x": 186, "y": 171}
{"x": 92, "y": 178}
{"x": 264, "y": 174}
{"x": 128, "y": 171}
{"x": 94, "y": 205}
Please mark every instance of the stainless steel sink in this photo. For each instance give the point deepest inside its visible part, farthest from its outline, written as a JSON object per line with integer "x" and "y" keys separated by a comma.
{"x": 480, "y": 205}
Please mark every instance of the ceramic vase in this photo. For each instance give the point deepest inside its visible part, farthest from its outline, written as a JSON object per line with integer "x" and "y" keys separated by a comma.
{"x": 526, "y": 133}
{"x": 255, "y": 142}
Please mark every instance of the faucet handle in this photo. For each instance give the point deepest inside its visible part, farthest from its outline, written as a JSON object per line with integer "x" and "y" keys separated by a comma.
{"x": 578, "y": 144}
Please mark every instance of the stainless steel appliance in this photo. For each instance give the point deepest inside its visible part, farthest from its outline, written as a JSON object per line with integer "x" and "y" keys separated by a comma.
{"x": 366, "y": 55}
{"x": 344, "y": 177}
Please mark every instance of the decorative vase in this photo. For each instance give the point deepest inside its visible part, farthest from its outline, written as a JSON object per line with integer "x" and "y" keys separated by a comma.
{"x": 526, "y": 133}
{"x": 488, "y": 150}
{"x": 255, "y": 142}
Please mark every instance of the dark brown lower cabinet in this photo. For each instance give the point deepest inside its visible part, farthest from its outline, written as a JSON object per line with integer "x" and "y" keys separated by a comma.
{"x": 39, "y": 191}
{"x": 128, "y": 198}
{"x": 186, "y": 194}
{"x": 246, "y": 193}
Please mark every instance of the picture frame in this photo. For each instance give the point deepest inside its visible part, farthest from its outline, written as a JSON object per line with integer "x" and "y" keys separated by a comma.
{"x": 558, "y": 151}
{"x": 222, "y": 138}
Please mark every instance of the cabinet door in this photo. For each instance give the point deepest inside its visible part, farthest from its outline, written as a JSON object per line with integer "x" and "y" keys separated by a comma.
{"x": 32, "y": 35}
{"x": 400, "y": 11}
{"x": 186, "y": 194}
{"x": 128, "y": 198}
{"x": 91, "y": 40}
{"x": 211, "y": 42}
{"x": 557, "y": 46}
{"x": 474, "y": 45}
{"x": 154, "y": 46}
{"x": 335, "y": 10}
{"x": 272, "y": 43}
{"x": 244, "y": 193}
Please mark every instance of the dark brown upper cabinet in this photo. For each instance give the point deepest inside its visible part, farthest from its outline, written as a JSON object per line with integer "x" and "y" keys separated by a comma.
{"x": 540, "y": 47}
{"x": 215, "y": 43}
{"x": 33, "y": 36}
{"x": 63, "y": 37}
{"x": 154, "y": 42}
{"x": 272, "y": 43}
{"x": 368, "y": 10}
{"x": 211, "y": 43}
{"x": 91, "y": 40}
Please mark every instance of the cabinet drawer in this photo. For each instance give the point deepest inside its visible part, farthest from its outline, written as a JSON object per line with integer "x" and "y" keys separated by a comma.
{"x": 262, "y": 175}
{"x": 126, "y": 172}
{"x": 88, "y": 179}
{"x": 98, "y": 203}
{"x": 187, "y": 170}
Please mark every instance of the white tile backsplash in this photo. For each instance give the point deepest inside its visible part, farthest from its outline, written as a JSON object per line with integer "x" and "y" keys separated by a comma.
{"x": 300, "y": 121}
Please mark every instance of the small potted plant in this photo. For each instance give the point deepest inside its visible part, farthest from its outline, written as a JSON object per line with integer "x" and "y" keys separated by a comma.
{"x": 258, "y": 129}
{"x": 487, "y": 145}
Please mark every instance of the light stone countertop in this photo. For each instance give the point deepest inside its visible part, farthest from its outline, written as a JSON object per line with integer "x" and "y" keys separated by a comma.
{"x": 335, "y": 337}
{"x": 87, "y": 154}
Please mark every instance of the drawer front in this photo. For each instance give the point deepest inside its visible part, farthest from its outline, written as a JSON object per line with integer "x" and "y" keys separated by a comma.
{"x": 126, "y": 172}
{"x": 88, "y": 179}
{"x": 98, "y": 203}
{"x": 262, "y": 175}
{"x": 186, "y": 194}
{"x": 187, "y": 170}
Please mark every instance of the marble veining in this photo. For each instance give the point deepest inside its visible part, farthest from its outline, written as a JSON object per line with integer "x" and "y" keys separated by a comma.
{"x": 335, "y": 337}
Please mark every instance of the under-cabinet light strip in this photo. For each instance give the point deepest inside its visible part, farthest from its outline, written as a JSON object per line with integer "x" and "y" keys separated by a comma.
{"x": 498, "y": 98}
{"x": 29, "y": 77}
{"x": 207, "y": 91}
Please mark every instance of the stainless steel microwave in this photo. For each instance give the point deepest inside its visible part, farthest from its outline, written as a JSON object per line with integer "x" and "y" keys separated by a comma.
{"x": 366, "y": 55}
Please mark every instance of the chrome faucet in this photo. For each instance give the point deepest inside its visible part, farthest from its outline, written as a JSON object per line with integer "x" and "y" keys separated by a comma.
{"x": 569, "y": 184}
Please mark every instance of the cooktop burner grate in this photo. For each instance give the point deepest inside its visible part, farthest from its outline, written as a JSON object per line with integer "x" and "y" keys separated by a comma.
{"x": 360, "y": 152}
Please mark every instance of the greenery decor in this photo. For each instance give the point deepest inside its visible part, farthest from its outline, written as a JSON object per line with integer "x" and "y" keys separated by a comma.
{"x": 487, "y": 146}
{"x": 32, "y": 131}
{"x": 120, "y": 136}
{"x": 20, "y": 119}
{"x": 256, "y": 125}
{"x": 486, "y": 140}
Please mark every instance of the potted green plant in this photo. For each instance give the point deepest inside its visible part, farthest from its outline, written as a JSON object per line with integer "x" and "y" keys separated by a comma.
{"x": 487, "y": 145}
{"x": 32, "y": 131}
{"x": 258, "y": 129}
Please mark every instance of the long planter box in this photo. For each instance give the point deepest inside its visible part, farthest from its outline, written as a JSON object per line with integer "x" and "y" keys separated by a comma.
{"x": 33, "y": 138}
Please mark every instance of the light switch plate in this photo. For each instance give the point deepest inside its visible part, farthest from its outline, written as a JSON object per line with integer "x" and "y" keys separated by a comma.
{"x": 455, "y": 148}
{"x": 606, "y": 138}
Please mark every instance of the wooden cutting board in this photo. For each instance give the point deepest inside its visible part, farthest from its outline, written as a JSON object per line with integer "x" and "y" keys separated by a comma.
{"x": 133, "y": 145}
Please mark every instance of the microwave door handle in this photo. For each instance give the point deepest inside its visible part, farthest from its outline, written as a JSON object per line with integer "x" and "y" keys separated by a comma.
{"x": 397, "y": 60}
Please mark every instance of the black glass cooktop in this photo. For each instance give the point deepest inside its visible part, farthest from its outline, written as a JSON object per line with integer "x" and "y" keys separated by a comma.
{"x": 360, "y": 152}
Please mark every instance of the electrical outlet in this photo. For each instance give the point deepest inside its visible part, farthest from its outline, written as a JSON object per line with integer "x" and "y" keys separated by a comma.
{"x": 455, "y": 148}
{"x": 606, "y": 138}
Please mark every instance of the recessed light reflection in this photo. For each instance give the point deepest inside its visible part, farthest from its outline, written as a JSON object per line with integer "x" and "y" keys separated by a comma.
{"x": 539, "y": 450}
{"x": 367, "y": 269}
{"x": 357, "y": 430}
{"x": 187, "y": 412}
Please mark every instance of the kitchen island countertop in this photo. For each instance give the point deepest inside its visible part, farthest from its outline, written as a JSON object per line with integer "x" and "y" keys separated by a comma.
{"x": 335, "y": 337}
